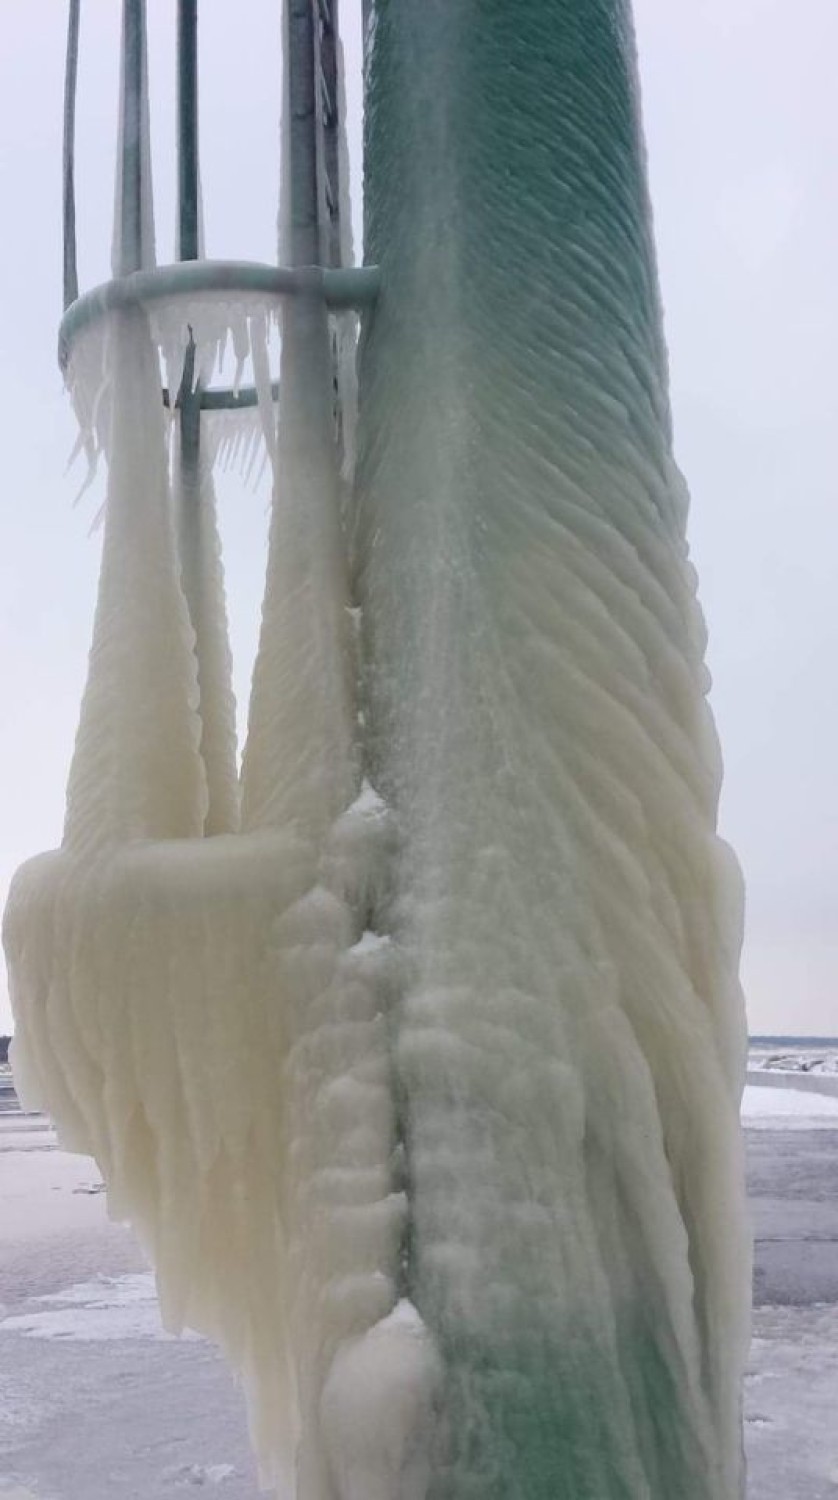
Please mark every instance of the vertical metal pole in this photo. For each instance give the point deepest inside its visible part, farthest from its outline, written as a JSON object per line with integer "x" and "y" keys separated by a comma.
{"x": 329, "y": 175}
{"x": 71, "y": 278}
{"x": 190, "y": 520}
{"x": 187, "y": 158}
{"x": 302, "y": 127}
{"x": 133, "y": 72}
{"x": 329, "y": 128}
{"x": 187, "y": 129}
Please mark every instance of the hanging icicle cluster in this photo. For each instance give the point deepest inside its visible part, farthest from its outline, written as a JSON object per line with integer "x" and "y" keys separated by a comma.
{"x": 205, "y": 335}
{"x": 199, "y": 1002}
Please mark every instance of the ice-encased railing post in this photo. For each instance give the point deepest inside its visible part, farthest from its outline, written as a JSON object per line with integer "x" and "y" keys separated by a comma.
{"x": 202, "y": 1008}
{"x": 206, "y": 1014}
{"x": 570, "y": 1043}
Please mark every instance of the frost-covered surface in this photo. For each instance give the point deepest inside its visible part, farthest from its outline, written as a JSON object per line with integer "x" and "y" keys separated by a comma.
{"x": 232, "y": 339}
{"x": 415, "y": 1056}
{"x": 200, "y": 998}
{"x": 571, "y": 1036}
{"x": 193, "y": 1010}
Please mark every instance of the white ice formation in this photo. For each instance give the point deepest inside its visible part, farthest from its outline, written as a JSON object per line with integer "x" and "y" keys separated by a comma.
{"x": 419, "y": 1077}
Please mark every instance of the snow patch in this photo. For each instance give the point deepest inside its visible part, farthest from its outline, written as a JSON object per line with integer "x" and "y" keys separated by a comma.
{"x": 110, "y": 1308}
{"x": 784, "y": 1108}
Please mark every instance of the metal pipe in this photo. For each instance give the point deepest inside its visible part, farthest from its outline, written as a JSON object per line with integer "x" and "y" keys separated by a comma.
{"x": 329, "y": 127}
{"x": 354, "y": 287}
{"x": 189, "y": 491}
{"x": 225, "y": 398}
{"x": 304, "y": 247}
{"x": 187, "y": 129}
{"x": 133, "y": 77}
{"x": 71, "y": 70}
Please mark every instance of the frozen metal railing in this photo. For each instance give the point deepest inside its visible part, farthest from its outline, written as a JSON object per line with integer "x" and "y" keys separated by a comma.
{"x": 341, "y": 289}
{"x": 313, "y": 161}
{"x": 313, "y": 198}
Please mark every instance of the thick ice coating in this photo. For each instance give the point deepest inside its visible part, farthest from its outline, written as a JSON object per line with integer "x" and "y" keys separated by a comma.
{"x": 206, "y": 1014}
{"x": 415, "y": 1055}
{"x": 570, "y": 1040}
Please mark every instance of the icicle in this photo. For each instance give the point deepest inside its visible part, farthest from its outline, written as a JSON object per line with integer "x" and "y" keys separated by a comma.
{"x": 241, "y": 348}
{"x": 177, "y": 997}
{"x": 203, "y": 582}
{"x": 309, "y": 681}
{"x": 136, "y": 770}
{"x": 258, "y": 337}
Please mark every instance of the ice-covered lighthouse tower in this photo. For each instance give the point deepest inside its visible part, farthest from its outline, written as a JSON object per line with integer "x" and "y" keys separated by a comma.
{"x": 413, "y": 1050}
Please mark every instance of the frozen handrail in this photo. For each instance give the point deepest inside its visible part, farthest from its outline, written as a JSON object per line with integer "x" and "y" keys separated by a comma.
{"x": 312, "y": 42}
{"x": 340, "y": 287}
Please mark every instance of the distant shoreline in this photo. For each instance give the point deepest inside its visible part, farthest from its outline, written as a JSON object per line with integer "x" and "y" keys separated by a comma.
{"x": 793, "y": 1040}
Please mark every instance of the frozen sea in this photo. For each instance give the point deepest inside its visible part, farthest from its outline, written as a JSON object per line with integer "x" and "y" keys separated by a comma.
{"x": 97, "y": 1403}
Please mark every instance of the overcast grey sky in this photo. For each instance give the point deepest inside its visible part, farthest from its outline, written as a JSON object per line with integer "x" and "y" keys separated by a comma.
{"x": 743, "y": 139}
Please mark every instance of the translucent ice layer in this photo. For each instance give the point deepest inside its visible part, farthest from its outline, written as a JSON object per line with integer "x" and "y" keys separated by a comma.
{"x": 570, "y": 1040}
{"x": 207, "y": 1015}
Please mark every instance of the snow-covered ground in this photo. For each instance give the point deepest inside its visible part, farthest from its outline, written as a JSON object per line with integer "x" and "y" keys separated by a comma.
{"x": 770, "y": 1108}
{"x": 98, "y": 1403}
{"x": 791, "y": 1395}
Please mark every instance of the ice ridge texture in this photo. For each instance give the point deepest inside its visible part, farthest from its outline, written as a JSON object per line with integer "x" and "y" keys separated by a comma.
{"x": 570, "y": 1040}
